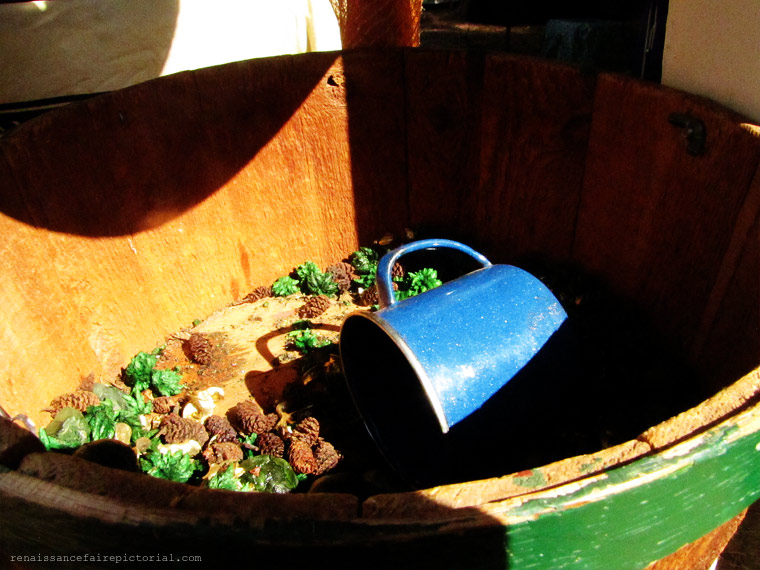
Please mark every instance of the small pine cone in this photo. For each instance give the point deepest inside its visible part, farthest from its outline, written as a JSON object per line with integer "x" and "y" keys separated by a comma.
{"x": 198, "y": 349}
{"x": 369, "y": 296}
{"x": 314, "y": 307}
{"x": 260, "y": 292}
{"x": 301, "y": 457}
{"x": 271, "y": 444}
{"x": 307, "y": 430}
{"x": 221, "y": 428}
{"x": 80, "y": 400}
{"x": 239, "y": 414}
{"x": 164, "y": 404}
{"x": 266, "y": 423}
{"x": 223, "y": 452}
{"x": 342, "y": 273}
{"x": 248, "y": 417}
{"x": 397, "y": 272}
{"x": 176, "y": 429}
{"x": 326, "y": 455}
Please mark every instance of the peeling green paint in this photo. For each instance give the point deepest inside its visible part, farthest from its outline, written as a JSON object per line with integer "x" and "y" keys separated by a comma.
{"x": 590, "y": 466}
{"x": 535, "y": 478}
{"x": 665, "y": 503}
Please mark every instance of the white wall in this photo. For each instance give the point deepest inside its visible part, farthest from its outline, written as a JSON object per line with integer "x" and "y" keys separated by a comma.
{"x": 712, "y": 48}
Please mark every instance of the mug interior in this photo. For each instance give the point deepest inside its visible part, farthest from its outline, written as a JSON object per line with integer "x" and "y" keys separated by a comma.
{"x": 517, "y": 428}
{"x": 390, "y": 398}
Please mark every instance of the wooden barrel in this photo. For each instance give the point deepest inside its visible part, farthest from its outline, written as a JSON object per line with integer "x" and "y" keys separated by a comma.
{"x": 127, "y": 216}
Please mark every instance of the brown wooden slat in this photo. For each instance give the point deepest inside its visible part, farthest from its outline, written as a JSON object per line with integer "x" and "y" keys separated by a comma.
{"x": 654, "y": 219}
{"x": 536, "y": 117}
{"x": 374, "y": 87}
{"x": 731, "y": 345}
{"x": 144, "y": 209}
{"x": 444, "y": 122}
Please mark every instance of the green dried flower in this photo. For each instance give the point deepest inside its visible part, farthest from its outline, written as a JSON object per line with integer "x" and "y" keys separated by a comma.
{"x": 306, "y": 340}
{"x": 364, "y": 260}
{"x": 166, "y": 382}
{"x": 177, "y": 466}
{"x": 285, "y": 286}
{"x": 418, "y": 282}
{"x": 225, "y": 479}
{"x": 137, "y": 372}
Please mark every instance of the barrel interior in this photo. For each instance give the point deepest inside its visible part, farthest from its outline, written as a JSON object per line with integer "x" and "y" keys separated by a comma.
{"x": 127, "y": 216}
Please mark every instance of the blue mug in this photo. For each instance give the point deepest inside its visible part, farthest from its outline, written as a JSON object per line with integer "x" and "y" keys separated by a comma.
{"x": 424, "y": 368}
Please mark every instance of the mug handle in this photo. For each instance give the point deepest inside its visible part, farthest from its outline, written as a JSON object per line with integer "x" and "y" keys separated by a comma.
{"x": 385, "y": 266}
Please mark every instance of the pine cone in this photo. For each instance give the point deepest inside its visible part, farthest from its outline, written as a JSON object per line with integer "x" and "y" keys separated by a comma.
{"x": 271, "y": 444}
{"x": 307, "y": 430}
{"x": 198, "y": 349}
{"x": 342, "y": 273}
{"x": 80, "y": 400}
{"x": 397, "y": 272}
{"x": 164, "y": 404}
{"x": 221, "y": 428}
{"x": 369, "y": 296}
{"x": 267, "y": 423}
{"x": 301, "y": 457}
{"x": 326, "y": 456}
{"x": 175, "y": 429}
{"x": 248, "y": 417}
{"x": 314, "y": 307}
{"x": 223, "y": 452}
{"x": 260, "y": 292}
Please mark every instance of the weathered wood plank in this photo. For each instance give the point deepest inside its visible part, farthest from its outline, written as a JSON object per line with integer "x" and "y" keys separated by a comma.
{"x": 733, "y": 305}
{"x": 143, "y": 177}
{"x": 374, "y": 91}
{"x": 443, "y": 119}
{"x": 127, "y": 216}
{"x": 624, "y": 518}
{"x": 536, "y": 117}
{"x": 653, "y": 218}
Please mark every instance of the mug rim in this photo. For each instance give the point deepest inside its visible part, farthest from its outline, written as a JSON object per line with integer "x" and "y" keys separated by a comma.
{"x": 427, "y": 385}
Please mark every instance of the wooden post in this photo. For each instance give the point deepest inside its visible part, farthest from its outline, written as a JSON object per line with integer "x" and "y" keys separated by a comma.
{"x": 380, "y": 23}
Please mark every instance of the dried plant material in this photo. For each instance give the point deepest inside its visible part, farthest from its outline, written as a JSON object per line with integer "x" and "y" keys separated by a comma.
{"x": 271, "y": 444}
{"x": 314, "y": 307}
{"x": 343, "y": 274}
{"x": 175, "y": 429}
{"x": 285, "y": 417}
{"x": 220, "y": 428}
{"x": 307, "y": 430}
{"x": 87, "y": 383}
{"x": 198, "y": 348}
{"x": 223, "y": 452}
{"x": 301, "y": 457}
{"x": 326, "y": 456}
{"x": 123, "y": 432}
{"x": 260, "y": 292}
{"x": 369, "y": 296}
{"x": 191, "y": 447}
{"x": 165, "y": 404}
{"x": 79, "y": 400}
{"x": 248, "y": 417}
{"x": 203, "y": 403}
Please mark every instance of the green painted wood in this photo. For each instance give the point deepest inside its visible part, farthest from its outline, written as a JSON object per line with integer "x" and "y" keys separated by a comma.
{"x": 641, "y": 512}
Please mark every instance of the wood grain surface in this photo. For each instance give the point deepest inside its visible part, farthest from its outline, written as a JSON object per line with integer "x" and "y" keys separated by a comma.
{"x": 128, "y": 216}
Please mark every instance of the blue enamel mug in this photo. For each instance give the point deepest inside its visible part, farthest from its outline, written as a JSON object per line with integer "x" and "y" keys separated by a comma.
{"x": 426, "y": 372}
